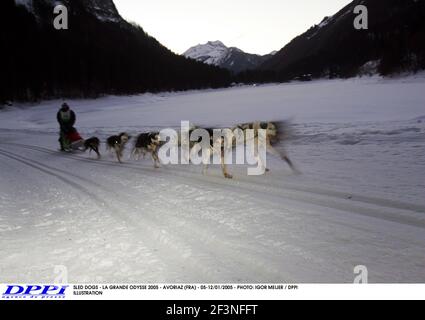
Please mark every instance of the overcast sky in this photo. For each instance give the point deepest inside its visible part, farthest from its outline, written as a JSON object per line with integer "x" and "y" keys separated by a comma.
{"x": 255, "y": 26}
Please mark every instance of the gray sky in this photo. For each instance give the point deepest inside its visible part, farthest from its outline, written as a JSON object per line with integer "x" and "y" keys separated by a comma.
{"x": 252, "y": 25}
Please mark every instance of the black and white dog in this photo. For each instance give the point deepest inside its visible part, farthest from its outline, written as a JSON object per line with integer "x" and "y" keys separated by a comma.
{"x": 117, "y": 144}
{"x": 92, "y": 144}
{"x": 147, "y": 143}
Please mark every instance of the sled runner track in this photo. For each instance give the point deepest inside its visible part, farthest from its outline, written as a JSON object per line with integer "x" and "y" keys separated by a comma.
{"x": 263, "y": 266}
{"x": 243, "y": 182}
{"x": 267, "y": 194}
{"x": 270, "y": 203}
{"x": 80, "y": 188}
{"x": 253, "y": 259}
{"x": 158, "y": 233}
{"x": 44, "y": 169}
{"x": 392, "y": 204}
{"x": 331, "y": 202}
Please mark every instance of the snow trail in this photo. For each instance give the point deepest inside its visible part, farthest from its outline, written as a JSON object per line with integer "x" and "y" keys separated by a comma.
{"x": 359, "y": 200}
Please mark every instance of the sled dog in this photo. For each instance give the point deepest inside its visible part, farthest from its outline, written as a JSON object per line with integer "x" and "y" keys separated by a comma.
{"x": 117, "y": 144}
{"x": 147, "y": 143}
{"x": 276, "y": 132}
{"x": 92, "y": 144}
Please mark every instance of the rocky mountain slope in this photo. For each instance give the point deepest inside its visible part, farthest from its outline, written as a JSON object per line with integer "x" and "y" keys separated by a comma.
{"x": 218, "y": 54}
{"x": 99, "y": 54}
{"x": 334, "y": 48}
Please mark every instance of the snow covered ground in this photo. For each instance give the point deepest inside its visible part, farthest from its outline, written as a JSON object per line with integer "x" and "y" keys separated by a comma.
{"x": 360, "y": 200}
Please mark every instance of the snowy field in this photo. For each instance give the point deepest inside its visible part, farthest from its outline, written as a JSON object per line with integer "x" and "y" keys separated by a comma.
{"x": 360, "y": 200}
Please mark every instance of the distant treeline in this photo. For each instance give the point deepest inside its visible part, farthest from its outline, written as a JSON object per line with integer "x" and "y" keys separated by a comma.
{"x": 394, "y": 42}
{"x": 94, "y": 58}
{"x": 89, "y": 59}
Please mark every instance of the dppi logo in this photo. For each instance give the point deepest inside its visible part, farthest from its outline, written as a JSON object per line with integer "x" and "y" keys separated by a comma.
{"x": 34, "y": 292}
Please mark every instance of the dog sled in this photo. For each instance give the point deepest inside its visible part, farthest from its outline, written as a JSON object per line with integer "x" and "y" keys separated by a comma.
{"x": 72, "y": 141}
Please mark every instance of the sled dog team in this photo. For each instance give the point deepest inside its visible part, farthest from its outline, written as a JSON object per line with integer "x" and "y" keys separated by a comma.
{"x": 150, "y": 142}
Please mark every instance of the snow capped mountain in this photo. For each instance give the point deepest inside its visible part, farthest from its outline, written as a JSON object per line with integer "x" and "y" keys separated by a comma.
{"x": 103, "y": 10}
{"x": 213, "y": 52}
{"x": 218, "y": 54}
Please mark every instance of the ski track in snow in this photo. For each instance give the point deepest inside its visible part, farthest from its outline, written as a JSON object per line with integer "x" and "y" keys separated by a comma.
{"x": 120, "y": 223}
{"x": 194, "y": 243}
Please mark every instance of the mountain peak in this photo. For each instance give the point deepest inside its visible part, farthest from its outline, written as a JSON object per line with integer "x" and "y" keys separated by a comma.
{"x": 217, "y": 43}
{"x": 218, "y": 54}
{"x": 213, "y": 52}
